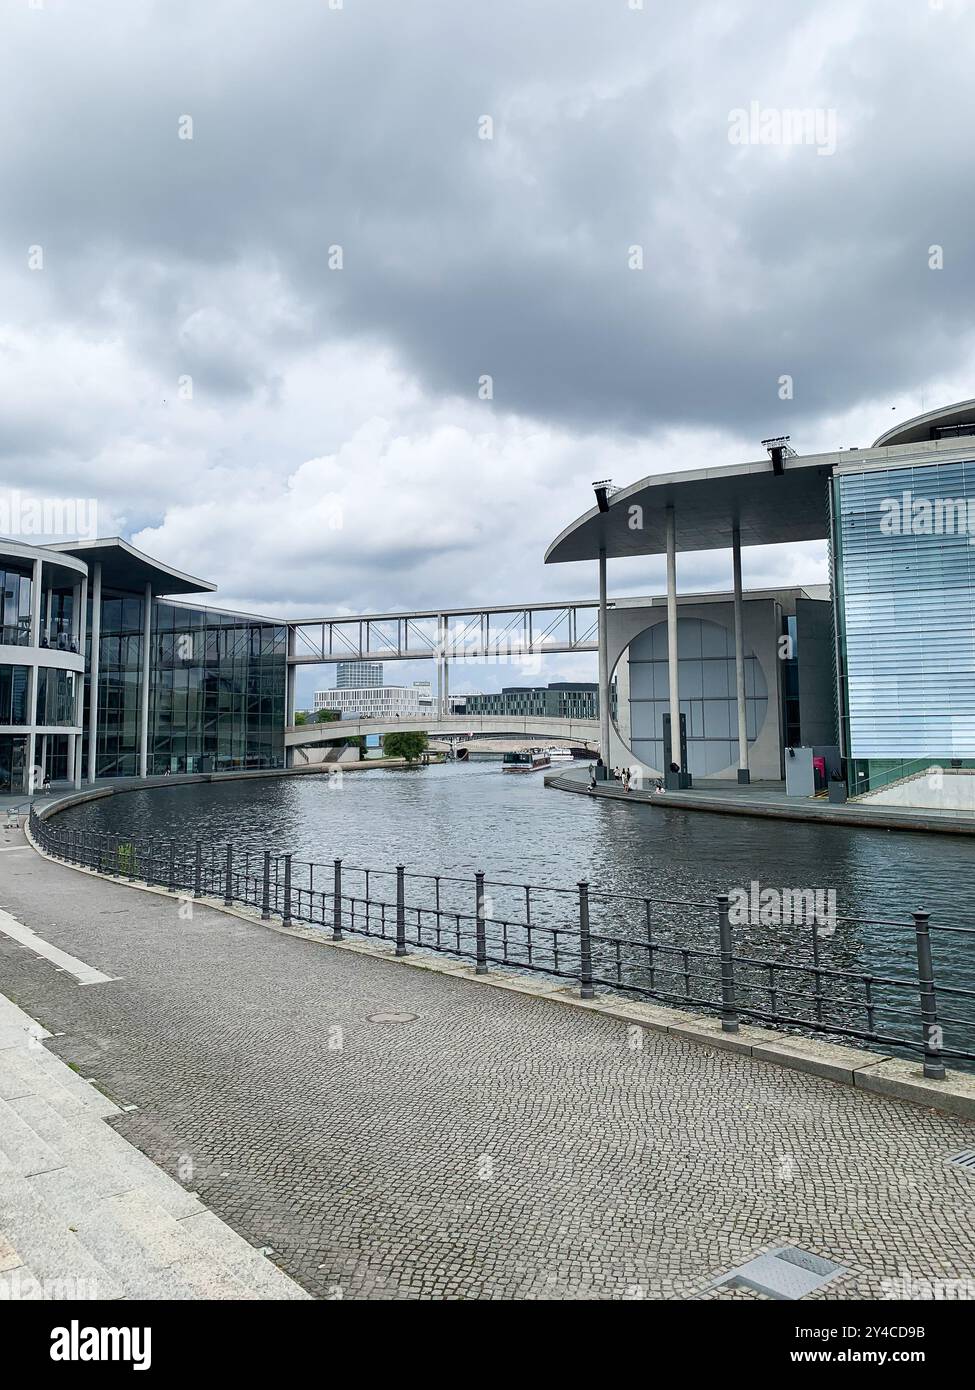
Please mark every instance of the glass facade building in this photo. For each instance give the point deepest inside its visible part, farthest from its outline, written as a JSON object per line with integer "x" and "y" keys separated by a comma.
{"x": 216, "y": 689}
{"x": 116, "y": 678}
{"x": 904, "y": 563}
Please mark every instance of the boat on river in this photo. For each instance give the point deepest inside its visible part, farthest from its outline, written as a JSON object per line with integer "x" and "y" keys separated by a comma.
{"x": 531, "y": 760}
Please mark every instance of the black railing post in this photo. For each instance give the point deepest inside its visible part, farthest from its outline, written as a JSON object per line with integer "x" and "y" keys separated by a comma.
{"x": 586, "y": 990}
{"x": 729, "y": 1013}
{"x": 172, "y": 866}
{"x": 934, "y": 1067}
{"x": 337, "y": 902}
{"x": 400, "y": 910}
{"x": 228, "y": 882}
{"x": 266, "y": 888}
{"x": 479, "y": 927}
{"x": 151, "y": 867}
{"x": 198, "y": 870}
{"x": 286, "y": 921}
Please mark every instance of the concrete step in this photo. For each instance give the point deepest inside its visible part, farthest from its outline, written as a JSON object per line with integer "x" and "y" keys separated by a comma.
{"x": 24, "y": 1149}
{"x": 236, "y": 1254}
{"x": 145, "y": 1247}
{"x": 59, "y": 1259}
{"x": 85, "y": 1214}
{"x": 35, "y": 1071}
{"x": 102, "y": 1159}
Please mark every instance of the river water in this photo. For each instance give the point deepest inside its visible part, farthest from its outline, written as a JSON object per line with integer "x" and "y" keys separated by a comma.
{"x": 454, "y": 819}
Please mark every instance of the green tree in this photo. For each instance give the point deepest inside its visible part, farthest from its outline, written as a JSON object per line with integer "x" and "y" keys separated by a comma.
{"x": 326, "y": 716}
{"x": 410, "y": 746}
{"x": 300, "y": 717}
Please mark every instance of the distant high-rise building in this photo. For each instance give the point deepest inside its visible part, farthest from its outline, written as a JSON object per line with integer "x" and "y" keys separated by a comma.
{"x": 358, "y": 675}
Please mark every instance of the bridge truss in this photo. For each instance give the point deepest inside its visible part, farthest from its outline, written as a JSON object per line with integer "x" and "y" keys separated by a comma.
{"x": 512, "y": 633}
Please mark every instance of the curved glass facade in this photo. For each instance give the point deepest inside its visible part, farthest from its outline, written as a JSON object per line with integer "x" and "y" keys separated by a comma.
{"x": 15, "y": 594}
{"x": 14, "y": 682}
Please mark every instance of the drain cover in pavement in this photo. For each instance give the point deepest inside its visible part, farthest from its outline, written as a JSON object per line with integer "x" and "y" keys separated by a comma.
{"x": 966, "y": 1159}
{"x": 390, "y": 1016}
{"x": 783, "y": 1273}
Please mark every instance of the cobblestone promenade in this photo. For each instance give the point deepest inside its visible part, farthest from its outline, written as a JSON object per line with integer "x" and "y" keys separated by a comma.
{"x": 494, "y": 1146}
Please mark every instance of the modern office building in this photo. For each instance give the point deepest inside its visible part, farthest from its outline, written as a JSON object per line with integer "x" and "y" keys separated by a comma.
{"x": 561, "y": 699}
{"x": 378, "y": 702}
{"x": 358, "y": 675}
{"x": 881, "y": 674}
{"x": 105, "y": 672}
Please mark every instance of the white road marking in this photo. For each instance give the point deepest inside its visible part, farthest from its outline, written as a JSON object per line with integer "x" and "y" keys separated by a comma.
{"x": 5, "y": 849}
{"x": 84, "y": 974}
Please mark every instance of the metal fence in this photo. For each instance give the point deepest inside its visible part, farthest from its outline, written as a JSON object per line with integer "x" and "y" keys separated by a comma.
{"x": 802, "y": 973}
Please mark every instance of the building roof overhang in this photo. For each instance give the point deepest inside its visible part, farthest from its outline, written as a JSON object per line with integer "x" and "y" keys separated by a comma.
{"x": 769, "y": 508}
{"x": 128, "y": 569}
{"x": 924, "y": 427}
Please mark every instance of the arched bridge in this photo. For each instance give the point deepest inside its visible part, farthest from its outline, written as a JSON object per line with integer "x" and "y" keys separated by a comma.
{"x": 575, "y": 731}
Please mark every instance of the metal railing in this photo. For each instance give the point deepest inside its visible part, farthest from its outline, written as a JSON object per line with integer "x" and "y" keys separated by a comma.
{"x": 803, "y": 973}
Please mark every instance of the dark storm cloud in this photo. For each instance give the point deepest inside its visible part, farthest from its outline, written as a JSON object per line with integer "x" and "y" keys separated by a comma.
{"x": 358, "y": 127}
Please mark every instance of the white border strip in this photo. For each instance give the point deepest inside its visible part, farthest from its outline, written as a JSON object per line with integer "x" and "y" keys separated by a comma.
{"x": 84, "y": 974}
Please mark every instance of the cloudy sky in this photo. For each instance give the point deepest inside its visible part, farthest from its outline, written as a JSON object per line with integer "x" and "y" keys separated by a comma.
{"x": 262, "y": 348}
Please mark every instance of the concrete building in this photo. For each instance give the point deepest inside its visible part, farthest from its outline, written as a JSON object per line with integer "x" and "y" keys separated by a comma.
{"x": 378, "y": 702}
{"x": 893, "y": 640}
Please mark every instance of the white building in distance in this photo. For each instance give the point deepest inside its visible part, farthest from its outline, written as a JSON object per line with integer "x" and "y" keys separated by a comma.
{"x": 378, "y": 702}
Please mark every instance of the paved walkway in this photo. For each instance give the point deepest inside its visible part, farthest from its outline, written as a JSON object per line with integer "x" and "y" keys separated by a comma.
{"x": 83, "y": 1214}
{"x": 494, "y": 1146}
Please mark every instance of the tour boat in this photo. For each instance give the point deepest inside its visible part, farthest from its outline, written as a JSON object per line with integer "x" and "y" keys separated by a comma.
{"x": 560, "y": 753}
{"x": 533, "y": 760}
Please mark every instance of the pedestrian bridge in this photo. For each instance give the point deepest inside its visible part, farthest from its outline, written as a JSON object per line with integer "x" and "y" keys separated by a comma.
{"x": 578, "y": 732}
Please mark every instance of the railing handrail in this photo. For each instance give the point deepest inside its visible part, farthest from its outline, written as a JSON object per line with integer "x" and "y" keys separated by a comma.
{"x": 654, "y": 962}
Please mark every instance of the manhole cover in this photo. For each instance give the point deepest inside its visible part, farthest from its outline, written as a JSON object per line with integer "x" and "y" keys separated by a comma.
{"x": 783, "y": 1273}
{"x": 392, "y": 1016}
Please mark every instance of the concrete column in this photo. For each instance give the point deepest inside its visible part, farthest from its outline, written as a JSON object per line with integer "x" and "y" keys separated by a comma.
{"x": 96, "y": 636}
{"x": 743, "y": 774}
{"x": 603, "y": 663}
{"x": 47, "y": 613}
{"x": 79, "y": 627}
{"x": 440, "y": 662}
{"x": 35, "y": 641}
{"x": 672, "y": 638}
{"x": 144, "y": 701}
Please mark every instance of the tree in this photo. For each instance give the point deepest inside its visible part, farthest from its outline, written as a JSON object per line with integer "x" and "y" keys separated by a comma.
{"x": 410, "y": 746}
{"x": 300, "y": 717}
{"x": 326, "y": 716}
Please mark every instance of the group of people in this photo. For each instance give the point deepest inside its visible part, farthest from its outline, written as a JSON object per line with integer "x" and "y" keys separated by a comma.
{"x": 618, "y": 774}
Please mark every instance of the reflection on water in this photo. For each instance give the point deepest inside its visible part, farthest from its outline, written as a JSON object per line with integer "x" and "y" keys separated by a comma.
{"x": 454, "y": 819}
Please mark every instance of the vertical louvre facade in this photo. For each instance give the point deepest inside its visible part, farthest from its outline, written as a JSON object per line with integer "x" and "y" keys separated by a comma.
{"x": 906, "y": 609}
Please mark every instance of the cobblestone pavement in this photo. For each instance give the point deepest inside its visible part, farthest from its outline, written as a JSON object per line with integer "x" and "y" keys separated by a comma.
{"x": 497, "y": 1146}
